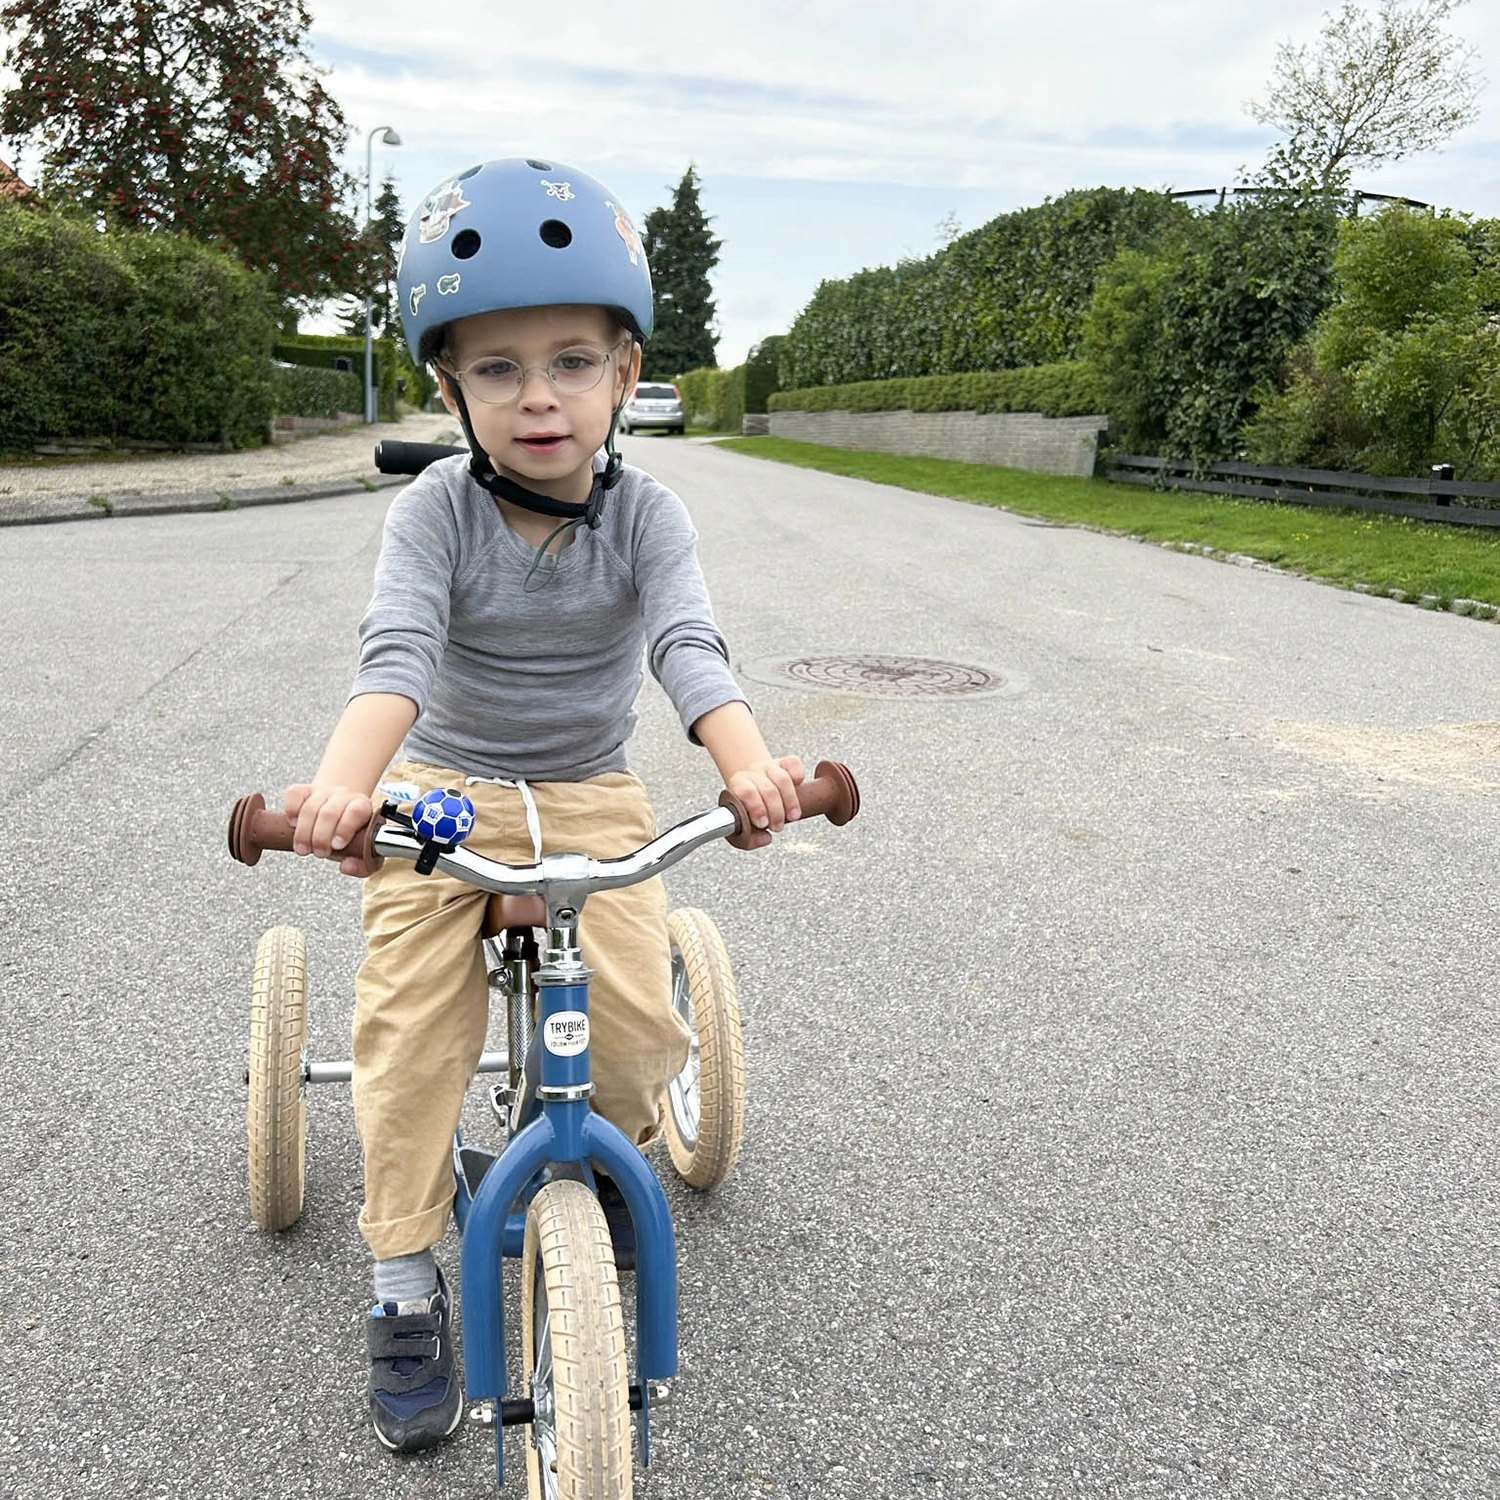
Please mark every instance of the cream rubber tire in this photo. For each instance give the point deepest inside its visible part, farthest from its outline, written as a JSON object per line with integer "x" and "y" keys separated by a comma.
{"x": 573, "y": 1351}
{"x": 706, "y": 1102}
{"x": 276, "y": 1112}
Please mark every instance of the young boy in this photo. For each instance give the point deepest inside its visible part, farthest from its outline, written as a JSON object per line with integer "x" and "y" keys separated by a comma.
{"x": 516, "y": 594}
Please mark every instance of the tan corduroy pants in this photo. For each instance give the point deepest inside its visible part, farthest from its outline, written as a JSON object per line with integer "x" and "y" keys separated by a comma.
{"x": 421, "y": 998}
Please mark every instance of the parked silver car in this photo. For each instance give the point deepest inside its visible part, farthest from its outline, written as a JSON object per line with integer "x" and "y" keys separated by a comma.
{"x": 654, "y": 403}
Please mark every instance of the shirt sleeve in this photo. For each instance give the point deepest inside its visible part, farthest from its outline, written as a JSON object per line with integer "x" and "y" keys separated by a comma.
{"x": 405, "y": 629}
{"x": 685, "y": 650}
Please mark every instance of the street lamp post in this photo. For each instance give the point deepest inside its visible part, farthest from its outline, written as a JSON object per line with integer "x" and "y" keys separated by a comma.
{"x": 388, "y": 137}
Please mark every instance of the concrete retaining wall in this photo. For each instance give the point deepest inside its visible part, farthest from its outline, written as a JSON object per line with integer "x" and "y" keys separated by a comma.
{"x": 1016, "y": 440}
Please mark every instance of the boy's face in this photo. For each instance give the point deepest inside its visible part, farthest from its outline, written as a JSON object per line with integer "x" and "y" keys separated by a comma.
{"x": 545, "y": 438}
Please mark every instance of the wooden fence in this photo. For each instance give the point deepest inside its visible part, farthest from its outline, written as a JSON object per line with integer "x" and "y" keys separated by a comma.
{"x": 1458, "y": 502}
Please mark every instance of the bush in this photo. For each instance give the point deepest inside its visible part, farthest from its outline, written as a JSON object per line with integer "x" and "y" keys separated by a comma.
{"x": 195, "y": 333}
{"x": 128, "y": 335}
{"x": 62, "y": 298}
{"x": 760, "y": 373}
{"x": 1069, "y": 388}
{"x": 345, "y": 352}
{"x": 1186, "y": 336}
{"x": 1008, "y": 295}
{"x": 304, "y": 392}
{"x": 713, "y": 398}
{"x": 1403, "y": 369}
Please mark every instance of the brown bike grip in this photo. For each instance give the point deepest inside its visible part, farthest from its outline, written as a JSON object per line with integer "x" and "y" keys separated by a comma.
{"x": 831, "y": 793}
{"x": 254, "y": 828}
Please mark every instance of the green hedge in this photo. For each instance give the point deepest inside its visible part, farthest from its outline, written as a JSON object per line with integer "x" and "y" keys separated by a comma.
{"x": 713, "y": 398}
{"x": 127, "y": 335}
{"x": 1010, "y": 294}
{"x": 324, "y": 351}
{"x": 302, "y": 391}
{"x": 1069, "y": 388}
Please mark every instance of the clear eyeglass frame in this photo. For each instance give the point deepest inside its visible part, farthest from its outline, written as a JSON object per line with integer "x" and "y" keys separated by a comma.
{"x": 497, "y": 381}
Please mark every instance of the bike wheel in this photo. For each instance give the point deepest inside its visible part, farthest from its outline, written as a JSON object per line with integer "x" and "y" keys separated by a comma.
{"x": 573, "y": 1348}
{"x": 276, "y": 1114}
{"x": 706, "y": 1101}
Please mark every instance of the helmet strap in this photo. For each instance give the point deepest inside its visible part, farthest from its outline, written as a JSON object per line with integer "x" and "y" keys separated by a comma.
{"x": 590, "y": 512}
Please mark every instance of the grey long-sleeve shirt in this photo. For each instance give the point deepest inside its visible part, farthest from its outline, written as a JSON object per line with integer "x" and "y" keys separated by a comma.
{"x": 538, "y": 685}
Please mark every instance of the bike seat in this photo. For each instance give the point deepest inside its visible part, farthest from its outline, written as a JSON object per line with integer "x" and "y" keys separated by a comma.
{"x": 513, "y": 911}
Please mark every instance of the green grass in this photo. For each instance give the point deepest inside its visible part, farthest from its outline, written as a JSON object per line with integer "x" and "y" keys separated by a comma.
{"x": 1424, "y": 560}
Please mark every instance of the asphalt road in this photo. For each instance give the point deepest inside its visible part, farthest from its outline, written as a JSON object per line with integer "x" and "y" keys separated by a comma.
{"x": 1122, "y": 1081}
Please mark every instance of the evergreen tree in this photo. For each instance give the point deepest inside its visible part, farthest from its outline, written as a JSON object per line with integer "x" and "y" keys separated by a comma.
{"x": 201, "y": 116}
{"x": 379, "y": 241}
{"x": 681, "y": 252}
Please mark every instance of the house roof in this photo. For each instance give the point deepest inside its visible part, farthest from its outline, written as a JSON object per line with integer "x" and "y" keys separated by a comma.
{"x": 11, "y": 183}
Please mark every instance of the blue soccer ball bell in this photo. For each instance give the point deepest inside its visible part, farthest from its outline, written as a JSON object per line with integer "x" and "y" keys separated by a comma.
{"x": 443, "y": 816}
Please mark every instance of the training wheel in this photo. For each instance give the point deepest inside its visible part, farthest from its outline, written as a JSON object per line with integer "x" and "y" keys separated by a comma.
{"x": 706, "y": 1101}
{"x": 276, "y": 1113}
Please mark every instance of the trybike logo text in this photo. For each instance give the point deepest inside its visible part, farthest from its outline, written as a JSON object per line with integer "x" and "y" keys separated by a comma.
{"x": 567, "y": 1033}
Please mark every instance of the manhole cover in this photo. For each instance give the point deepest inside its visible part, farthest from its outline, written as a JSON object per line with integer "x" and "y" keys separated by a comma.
{"x": 884, "y": 676}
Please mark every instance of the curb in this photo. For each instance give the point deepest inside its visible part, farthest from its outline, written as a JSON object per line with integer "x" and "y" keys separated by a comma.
{"x": 41, "y": 511}
{"x": 1473, "y": 609}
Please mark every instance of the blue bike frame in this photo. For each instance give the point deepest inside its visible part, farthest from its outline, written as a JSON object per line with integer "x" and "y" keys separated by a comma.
{"x": 565, "y": 1130}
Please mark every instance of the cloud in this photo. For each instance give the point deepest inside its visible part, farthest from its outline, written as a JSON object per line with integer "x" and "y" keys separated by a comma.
{"x": 835, "y": 134}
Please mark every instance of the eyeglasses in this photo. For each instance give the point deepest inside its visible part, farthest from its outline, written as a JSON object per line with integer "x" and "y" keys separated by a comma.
{"x": 497, "y": 381}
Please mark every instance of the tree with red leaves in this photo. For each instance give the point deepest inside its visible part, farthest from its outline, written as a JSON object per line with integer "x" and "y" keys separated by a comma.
{"x": 201, "y": 116}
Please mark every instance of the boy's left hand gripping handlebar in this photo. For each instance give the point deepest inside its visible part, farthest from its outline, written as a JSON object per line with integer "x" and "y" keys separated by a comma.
{"x": 253, "y": 827}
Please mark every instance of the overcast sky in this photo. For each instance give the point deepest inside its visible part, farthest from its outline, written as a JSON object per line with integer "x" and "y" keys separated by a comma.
{"x": 832, "y": 135}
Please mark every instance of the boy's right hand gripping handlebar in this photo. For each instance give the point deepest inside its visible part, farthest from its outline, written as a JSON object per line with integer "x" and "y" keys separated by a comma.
{"x": 831, "y": 792}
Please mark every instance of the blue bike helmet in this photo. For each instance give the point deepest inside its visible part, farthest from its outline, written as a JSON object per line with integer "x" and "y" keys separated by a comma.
{"x": 520, "y": 232}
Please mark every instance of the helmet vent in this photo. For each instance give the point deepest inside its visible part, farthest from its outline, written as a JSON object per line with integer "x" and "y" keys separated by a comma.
{"x": 466, "y": 244}
{"x": 557, "y": 234}
{"x": 541, "y": 166}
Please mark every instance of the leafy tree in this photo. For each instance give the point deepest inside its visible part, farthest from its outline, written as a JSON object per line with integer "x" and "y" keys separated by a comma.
{"x": 681, "y": 253}
{"x": 202, "y": 116}
{"x": 1373, "y": 88}
{"x": 1403, "y": 369}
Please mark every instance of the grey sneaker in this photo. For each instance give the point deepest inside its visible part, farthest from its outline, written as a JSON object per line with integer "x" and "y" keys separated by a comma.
{"x": 416, "y": 1398}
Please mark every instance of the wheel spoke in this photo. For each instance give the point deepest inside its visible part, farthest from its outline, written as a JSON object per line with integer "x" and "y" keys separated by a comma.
{"x": 543, "y": 1393}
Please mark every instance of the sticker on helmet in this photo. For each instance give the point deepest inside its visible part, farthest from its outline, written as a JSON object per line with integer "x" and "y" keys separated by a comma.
{"x": 561, "y": 190}
{"x": 400, "y": 254}
{"x": 626, "y": 230}
{"x": 447, "y": 285}
{"x": 415, "y": 300}
{"x": 438, "y": 211}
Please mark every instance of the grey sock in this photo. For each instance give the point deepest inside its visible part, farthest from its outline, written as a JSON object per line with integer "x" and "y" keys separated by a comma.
{"x": 406, "y": 1278}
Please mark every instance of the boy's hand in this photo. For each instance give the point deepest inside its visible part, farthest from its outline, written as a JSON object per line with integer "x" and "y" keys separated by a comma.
{"x": 326, "y": 818}
{"x": 768, "y": 790}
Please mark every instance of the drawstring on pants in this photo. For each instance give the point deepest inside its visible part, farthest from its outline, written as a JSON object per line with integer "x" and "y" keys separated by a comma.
{"x": 533, "y": 820}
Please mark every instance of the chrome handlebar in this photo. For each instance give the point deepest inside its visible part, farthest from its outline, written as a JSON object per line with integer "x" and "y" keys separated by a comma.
{"x": 563, "y": 879}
